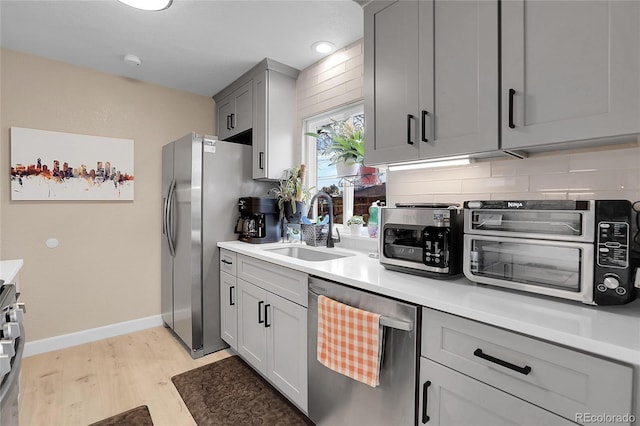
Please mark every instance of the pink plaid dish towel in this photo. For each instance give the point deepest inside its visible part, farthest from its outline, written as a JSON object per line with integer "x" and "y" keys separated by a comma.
{"x": 349, "y": 341}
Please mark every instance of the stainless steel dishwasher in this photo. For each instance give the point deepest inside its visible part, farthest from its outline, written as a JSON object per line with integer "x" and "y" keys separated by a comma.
{"x": 335, "y": 399}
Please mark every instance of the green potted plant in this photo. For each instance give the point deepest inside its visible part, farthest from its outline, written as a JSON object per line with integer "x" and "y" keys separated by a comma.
{"x": 346, "y": 148}
{"x": 355, "y": 224}
{"x": 291, "y": 193}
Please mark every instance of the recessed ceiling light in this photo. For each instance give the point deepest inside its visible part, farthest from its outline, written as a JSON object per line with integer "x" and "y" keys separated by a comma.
{"x": 323, "y": 46}
{"x": 148, "y": 4}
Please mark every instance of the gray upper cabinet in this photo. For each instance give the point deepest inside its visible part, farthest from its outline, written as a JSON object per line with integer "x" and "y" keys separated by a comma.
{"x": 431, "y": 79}
{"x": 274, "y": 130}
{"x": 570, "y": 71}
{"x": 459, "y": 84}
{"x": 569, "y": 77}
{"x": 259, "y": 108}
{"x": 391, "y": 80}
{"x": 235, "y": 112}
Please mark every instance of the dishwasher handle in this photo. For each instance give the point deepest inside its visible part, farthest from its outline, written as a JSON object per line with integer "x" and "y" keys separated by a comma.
{"x": 384, "y": 320}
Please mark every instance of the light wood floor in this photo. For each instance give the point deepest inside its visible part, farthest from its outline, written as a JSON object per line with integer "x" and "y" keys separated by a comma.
{"x": 87, "y": 383}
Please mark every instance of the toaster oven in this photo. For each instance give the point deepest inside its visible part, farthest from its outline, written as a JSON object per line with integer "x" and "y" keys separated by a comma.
{"x": 423, "y": 239}
{"x": 577, "y": 250}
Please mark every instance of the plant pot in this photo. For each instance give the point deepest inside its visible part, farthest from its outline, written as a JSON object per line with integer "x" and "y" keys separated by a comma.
{"x": 368, "y": 175}
{"x": 290, "y": 215}
{"x": 355, "y": 228}
{"x": 347, "y": 168}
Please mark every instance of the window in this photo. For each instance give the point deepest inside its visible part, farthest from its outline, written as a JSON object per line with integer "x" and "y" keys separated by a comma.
{"x": 351, "y": 194}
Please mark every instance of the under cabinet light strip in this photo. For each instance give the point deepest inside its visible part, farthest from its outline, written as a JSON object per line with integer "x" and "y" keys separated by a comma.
{"x": 431, "y": 164}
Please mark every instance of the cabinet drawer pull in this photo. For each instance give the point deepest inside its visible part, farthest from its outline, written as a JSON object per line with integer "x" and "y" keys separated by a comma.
{"x": 409, "y": 119}
{"x": 425, "y": 115}
{"x": 226, "y": 262}
{"x": 260, "y": 320}
{"x": 425, "y": 390}
{"x": 512, "y": 93}
{"x": 522, "y": 370}
{"x": 231, "y": 302}
{"x": 266, "y": 317}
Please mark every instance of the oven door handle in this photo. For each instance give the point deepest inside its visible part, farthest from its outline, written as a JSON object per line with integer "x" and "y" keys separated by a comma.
{"x": 14, "y": 374}
{"x": 384, "y": 320}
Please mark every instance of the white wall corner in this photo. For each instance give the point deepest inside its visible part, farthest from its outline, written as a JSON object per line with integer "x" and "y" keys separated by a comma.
{"x": 73, "y": 339}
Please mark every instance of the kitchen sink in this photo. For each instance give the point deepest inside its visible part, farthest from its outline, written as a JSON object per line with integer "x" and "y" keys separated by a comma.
{"x": 311, "y": 255}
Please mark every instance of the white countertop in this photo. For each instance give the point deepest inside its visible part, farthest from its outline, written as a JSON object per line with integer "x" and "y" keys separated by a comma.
{"x": 612, "y": 332}
{"x": 9, "y": 269}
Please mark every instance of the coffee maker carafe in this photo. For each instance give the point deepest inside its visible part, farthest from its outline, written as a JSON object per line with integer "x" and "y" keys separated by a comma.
{"x": 258, "y": 221}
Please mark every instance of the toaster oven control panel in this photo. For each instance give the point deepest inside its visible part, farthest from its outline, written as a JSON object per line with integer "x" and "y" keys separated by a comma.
{"x": 436, "y": 246}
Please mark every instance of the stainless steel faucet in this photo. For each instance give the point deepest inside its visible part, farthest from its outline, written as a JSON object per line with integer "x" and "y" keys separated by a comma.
{"x": 310, "y": 216}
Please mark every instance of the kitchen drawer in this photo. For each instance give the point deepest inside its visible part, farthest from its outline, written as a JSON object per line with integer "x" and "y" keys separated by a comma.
{"x": 228, "y": 262}
{"x": 284, "y": 282}
{"x": 558, "y": 379}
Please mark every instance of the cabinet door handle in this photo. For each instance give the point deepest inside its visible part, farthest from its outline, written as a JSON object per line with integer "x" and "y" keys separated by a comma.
{"x": 512, "y": 93}
{"x": 522, "y": 370}
{"x": 233, "y": 121}
{"x": 231, "y": 302}
{"x": 261, "y": 160}
{"x": 266, "y": 317}
{"x": 409, "y": 119}
{"x": 260, "y": 320}
{"x": 425, "y": 391}
{"x": 228, "y": 123}
{"x": 424, "y": 126}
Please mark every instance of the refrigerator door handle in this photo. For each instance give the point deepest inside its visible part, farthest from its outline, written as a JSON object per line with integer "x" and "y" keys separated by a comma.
{"x": 170, "y": 225}
{"x": 164, "y": 215}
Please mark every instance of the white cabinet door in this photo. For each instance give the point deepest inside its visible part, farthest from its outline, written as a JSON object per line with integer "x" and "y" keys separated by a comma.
{"x": 252, "y": 334}
{"x": 450, "y": 398}
{"x": 286, "y": 324}
{"x": 570, "y": 70}
{"x": 459, "y": 86}
{"x": 229, "y": 309}
{"x": 391, "y": 81}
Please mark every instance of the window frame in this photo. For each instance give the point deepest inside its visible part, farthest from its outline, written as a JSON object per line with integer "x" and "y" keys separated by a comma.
{"x": 309, "y": 146}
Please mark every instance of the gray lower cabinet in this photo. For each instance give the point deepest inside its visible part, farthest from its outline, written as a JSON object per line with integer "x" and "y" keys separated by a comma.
{"x": 271, "y": 323}
{"x": 228, "y": 298}
{"x": 472, "y": 369}
{"x": 453, "y": 399}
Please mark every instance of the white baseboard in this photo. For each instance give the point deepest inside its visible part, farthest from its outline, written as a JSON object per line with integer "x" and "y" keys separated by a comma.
{"x": 72, "y": 339}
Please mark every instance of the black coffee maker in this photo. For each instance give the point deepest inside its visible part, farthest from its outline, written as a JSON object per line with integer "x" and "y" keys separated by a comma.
{"x": 258, "y": 221}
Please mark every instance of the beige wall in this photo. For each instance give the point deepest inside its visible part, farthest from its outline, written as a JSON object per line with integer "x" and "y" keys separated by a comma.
{"x": 106, "y": 269}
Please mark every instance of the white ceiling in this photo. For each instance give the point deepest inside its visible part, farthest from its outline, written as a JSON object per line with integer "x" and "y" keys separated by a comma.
{"x": 196, "y": 45}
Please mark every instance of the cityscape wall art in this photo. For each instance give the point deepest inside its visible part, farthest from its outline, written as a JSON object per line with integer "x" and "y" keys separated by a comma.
{"x": 48, "y": 165}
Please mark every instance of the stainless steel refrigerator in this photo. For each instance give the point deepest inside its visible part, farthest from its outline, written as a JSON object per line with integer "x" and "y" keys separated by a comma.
{"x": 202, "y": 179}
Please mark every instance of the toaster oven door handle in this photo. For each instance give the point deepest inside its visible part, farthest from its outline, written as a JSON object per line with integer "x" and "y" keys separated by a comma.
{"x": 522, "y": 370}
{"x": 384, "y": 321}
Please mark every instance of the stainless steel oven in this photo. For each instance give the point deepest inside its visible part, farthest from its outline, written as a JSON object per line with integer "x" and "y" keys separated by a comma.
{"x": 577, "y": 250}
{"x": 11, "y": 347}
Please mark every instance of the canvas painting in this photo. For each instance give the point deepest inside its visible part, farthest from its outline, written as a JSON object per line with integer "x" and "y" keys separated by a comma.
{"x": 48, "y": 165}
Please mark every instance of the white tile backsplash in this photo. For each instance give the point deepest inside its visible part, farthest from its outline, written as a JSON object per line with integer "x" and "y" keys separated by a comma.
{"x": 599, "y": 174}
